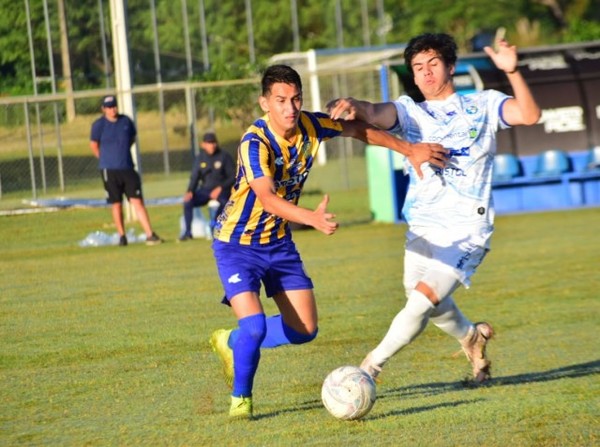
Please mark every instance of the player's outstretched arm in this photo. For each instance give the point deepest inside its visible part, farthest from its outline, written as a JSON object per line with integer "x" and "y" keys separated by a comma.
{"x": 319, "y": 219}
{"x": 382, "y": 115}
{"x": 523, "y": 109}
{"x": 417, "y": 153}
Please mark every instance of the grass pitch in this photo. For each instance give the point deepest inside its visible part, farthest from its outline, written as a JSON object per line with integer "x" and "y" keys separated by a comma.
{"x": 109, "y": 346}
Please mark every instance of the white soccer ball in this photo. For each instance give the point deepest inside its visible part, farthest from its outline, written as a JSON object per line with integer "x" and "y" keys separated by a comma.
{"x": 348, "y": 393}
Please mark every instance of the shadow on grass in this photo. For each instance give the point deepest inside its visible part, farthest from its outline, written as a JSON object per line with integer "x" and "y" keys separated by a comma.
{"x": 316, "y": 404}
{"x": 429, "y": 389}
{"x": 415, "y": 410}
{"x": 572, "y": 371}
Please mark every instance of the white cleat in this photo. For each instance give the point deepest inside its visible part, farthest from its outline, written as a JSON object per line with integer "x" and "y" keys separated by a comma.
{"x": 473, "y": 345}
{"x": 370, "y": 367}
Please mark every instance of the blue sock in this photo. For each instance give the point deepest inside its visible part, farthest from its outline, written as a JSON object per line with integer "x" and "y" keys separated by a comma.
{"x": 279, "y": 333}
{"x": 246, "y": 352}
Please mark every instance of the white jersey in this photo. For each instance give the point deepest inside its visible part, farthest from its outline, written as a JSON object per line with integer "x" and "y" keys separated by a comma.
{"x": 460, "y": 195}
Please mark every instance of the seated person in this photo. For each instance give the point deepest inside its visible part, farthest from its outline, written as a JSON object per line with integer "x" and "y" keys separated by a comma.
{"x": 215, "y": 169}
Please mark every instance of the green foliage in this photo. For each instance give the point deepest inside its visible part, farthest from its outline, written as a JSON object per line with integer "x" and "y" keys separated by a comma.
{"x": 108, "y": 346}
{"x": 579, "y": 30}
{"x": 228, "y": 35}
{"x": 232, "y": 102}
{"x": 13, "y": 43}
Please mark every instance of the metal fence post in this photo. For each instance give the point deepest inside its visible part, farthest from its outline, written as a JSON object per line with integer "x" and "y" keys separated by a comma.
{"x": 30, "y": 150}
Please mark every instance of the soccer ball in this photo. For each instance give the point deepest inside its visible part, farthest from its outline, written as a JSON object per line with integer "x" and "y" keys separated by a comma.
{"x": 348, "y": 393}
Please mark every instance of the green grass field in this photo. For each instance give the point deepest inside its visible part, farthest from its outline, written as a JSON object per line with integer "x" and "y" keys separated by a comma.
{"x": 109, "y": 346}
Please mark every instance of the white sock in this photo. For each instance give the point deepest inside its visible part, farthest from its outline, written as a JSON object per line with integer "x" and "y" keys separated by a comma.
{"x": 405, "y": 327}
{"x": 448, "y": 317}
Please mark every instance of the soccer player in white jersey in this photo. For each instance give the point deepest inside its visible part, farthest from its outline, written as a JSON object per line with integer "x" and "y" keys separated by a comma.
{"x": 449, "y": 211}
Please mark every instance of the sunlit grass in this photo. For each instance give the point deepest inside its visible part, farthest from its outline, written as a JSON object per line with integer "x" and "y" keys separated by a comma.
{"x": 108, "y": 345}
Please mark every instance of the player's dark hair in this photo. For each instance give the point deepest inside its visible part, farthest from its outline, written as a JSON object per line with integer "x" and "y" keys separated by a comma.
{"x": 279, "y": 73}
{"x": 441, "y": 43}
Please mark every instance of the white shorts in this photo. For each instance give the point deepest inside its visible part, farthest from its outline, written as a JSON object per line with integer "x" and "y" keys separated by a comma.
{"x": 456, "y": 253}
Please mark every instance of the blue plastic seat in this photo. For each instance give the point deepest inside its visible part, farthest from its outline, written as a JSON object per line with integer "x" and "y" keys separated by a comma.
{"x": 592, "y": 162}
{"x": 506, "y": 168}
{"x": 553, "y": 162}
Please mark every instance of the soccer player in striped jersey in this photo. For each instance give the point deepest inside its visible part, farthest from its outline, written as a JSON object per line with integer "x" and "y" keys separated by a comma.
{"x": 253, "y": 242}
{"x": 450, "y": 212}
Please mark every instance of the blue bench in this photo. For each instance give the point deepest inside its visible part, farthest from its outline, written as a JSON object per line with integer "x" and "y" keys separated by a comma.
{"x": 553, "y": 179}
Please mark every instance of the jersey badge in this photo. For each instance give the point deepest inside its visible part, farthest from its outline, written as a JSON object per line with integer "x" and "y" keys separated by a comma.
{"x": 305, "y": 150}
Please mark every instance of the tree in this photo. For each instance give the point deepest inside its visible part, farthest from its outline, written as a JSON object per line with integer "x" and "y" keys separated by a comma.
{"x": 529, "y": 23}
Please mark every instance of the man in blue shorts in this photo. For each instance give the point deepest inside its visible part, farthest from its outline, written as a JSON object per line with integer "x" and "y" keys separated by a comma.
{"x": 111, "y": 138}
{"x": 450, "y": 211}
{"x": 253, "y": 243}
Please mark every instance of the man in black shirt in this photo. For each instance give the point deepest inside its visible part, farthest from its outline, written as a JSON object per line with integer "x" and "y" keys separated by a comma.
{"x": 215, "y": 169}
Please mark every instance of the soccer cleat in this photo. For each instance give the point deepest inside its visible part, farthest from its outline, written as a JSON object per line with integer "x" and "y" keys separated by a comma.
{"x": 473, "y": 345}
{"x": 241, "y": 407}
{"x": 371, "y": 368}
{"x": 218, "y": 342}
{"x": 153, "y": 239}
{"x": 123, "y": 241}
{"x": 185, "y": 237}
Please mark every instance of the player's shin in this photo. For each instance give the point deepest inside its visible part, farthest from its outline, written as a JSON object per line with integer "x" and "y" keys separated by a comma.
{"x": 405, "y": 327}
{"x": 448, "y": 317}
{"x": 246, "y": 353}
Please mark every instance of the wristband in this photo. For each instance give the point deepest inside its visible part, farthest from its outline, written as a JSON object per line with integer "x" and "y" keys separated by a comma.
{"x": 511, "y": 72}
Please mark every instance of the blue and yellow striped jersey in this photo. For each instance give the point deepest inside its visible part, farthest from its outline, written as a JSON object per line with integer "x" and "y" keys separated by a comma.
{"x": 264, "y": 153}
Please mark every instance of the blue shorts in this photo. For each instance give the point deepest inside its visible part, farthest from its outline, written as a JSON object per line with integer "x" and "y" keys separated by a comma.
{"x": 242, "y": 268}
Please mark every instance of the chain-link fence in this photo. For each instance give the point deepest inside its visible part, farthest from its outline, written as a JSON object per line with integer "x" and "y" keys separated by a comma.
{"x": 44, "y": 140}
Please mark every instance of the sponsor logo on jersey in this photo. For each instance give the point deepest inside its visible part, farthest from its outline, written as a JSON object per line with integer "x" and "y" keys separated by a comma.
{"x": 462, "y": 152}
{"x": 461, "y": 262}
{"x": 293, "y": 196}
{"x": 296, "y": 179}
{"x": 450, "y": 172}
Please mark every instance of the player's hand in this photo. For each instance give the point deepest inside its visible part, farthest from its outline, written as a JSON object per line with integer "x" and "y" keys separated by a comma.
{"x": 188, "y": 196}
{"x": 504, "y": 56}
{"x": 215, "y": 193}
{"x": 322, "y": 220}
{"x": 344, "y": 108}
{"x": 432, "y": 153}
